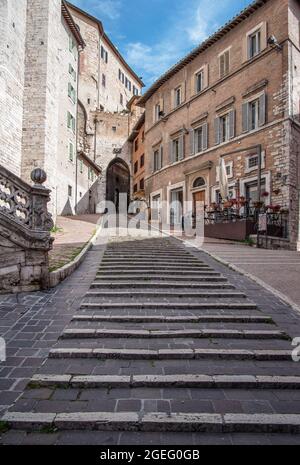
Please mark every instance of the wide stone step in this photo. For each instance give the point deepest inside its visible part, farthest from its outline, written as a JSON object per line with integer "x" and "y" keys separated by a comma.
{"x": 185, "y": 334}
{"x": 111, "y": 271}
{"x": 148, "y": 256}
{"x": 169, "y": 305}
{"x": 165, "y": 381}
{"x": 158, "y": 277}
{"x": 158, "y": 285}
{"x": 171, "y": 354}
{"x": 173, "y": 319}
{"x": 154, "y": 422}
{"x": 170, "y": 294}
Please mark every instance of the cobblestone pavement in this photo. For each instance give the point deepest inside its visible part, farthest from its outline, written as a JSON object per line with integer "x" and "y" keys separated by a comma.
{"x": 160, "y": 344}
{"x": 267, "y": 265}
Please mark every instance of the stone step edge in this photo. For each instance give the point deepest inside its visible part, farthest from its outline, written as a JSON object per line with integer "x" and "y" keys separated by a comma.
{"x": 162, "y": 381}
{"x": 173, "y": 305}
{"x": 165, "y": 354}
{"x": 152, "y": 334}
{"x": 137, "y": 293}
{"x": 156, "y": 422}
{"x": 126, "y": 284}
{"x": 175, "y": 319}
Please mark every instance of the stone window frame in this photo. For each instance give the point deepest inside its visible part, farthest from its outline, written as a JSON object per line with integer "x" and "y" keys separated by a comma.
{"x": 216, "y": 189}
{"x": 71, "y": 154}
{"x": 71, "y": 122}
{"x": 204, "y": 125}
{"x": 254, "y": 168}
{"x": 230, "y": 115}
{"x": 205, "y": 80}
{"x": 262, "y": 28}
{"x": 72, "y": 93}
{"x": 177, "y": 96}
{"x": 155, "y": 195}
{"x": 72, "y": 72}
{"x": 262, "y": 111}
{"x": 158, "y": 155}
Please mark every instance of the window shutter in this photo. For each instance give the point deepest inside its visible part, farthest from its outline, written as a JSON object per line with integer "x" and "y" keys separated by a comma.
{"x": 248, "y": 47}
{"x": 193, "y": 84}
{"x": 171, "y": 151}
{"x": 227, "y": 60}
{"x": 205, "y": 136}
{"x": 181, "y": 147}
{"x": 161, "y": 156}
{"x": 152, "y": 163}
{"x": 192, "y": 141}
{"x": 264, "y": 36}
{"x": 217, "y": 131}
{"x": 205, "y": 77}
{"x": 222, "y": 65}
{"x": 161, "y": 103}
{"x": 231, "y": 124}
{"x": 262, "y": 109}
{"x": 183, "y": 97}
{"x": 245, "y": 117}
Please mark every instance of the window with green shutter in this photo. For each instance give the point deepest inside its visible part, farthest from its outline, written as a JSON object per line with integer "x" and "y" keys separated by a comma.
{"x": 71, "y": 122}
{"x": 71, "y": 151}
{"x": 72, "y": 72}
{"x": 71, "y": 92}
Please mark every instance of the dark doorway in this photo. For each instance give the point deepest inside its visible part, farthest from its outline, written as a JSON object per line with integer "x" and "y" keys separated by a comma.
{"x": 117, "y": 182}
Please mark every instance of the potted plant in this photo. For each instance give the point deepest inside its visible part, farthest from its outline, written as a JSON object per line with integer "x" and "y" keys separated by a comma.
{"x": 228, "y": 204}
{"x": 258, "y": 204}
{"x": 265, "y": 194}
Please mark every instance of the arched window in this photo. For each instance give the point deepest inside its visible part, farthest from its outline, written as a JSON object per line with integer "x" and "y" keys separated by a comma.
{"x": 199, "y": 182}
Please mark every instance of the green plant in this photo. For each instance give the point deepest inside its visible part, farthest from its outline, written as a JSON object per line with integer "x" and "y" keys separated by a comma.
{"x": 56, "y": 229}
{"x": 4, "y": 427}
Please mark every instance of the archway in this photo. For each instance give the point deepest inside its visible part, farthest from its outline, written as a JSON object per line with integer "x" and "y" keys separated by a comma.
{"x": 117, "y": 181}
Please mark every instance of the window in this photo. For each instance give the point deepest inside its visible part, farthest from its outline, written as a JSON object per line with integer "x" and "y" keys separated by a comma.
{"x": 71, "y": 92}
{"x": 135, "y": 188}
{"x": 81, "y": 166}
{"x": 104, "y": 54}
{"x": 103, "y": 80}
{"x": 121, "y": 76}
{"x": 157, "y": 112}
{"x": 71, "y": 151}
{"x": 176, "y": 150}
{"x": 224, "y": 63}
{"x": 199, "y": 81}
{"x": 254, "y": 113}
{"x": 199, "y": 139}
{"x": 158, "y": 159}
{"x": 121, "y": 99}
{"x": 136, "y": 145}
{"x": 135, "y": 91}
{"x": 136, "y": 167}
{"x": 114, "y": 128}
{"x": 72, "y": 45}
{"x": 177, "y": 97}
{"x": 71, "y": 122}
{"x": 252, "y": 162}
{"x": 127, "y": 84}
{"x": 254, "y": 43}
{"x": 91, "y": 174}
{"x": 72, "y": 72}
{"x": 199, "y": 182}
{"x": 143, "y": 136}
{"x": 70, "y": 191}
{"x": 225, "y": 127}
{"x": 142, "y": 161}
{"x": 142, "y": 184}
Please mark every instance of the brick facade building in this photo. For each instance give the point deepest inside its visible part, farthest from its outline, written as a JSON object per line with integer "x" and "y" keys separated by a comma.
{"x": 137, "y": 139}
{"x": 238, "y": 89}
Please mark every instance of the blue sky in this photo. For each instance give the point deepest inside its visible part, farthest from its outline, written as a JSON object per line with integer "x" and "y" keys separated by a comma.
{"x": 152, "y": 35}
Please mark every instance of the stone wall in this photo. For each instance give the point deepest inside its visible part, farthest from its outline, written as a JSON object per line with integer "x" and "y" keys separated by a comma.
{"x": 12, "y": 63}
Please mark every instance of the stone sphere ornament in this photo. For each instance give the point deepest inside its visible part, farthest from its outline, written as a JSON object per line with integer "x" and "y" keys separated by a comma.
{"x": 38, "y": 176}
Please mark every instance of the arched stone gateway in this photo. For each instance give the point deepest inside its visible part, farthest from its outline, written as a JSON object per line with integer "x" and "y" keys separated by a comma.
{"x": 117, "y": 181}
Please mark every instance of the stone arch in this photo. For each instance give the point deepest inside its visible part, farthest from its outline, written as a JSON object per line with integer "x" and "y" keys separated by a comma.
{"x": 117, "y": 181}
{"x": 199, "y": 182}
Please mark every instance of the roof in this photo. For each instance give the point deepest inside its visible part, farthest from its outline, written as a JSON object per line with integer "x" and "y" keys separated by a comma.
{"x": 71, "y": 24}
{"x": 244, "y": 14}
{"x": 105, "y": 36}
{"x": 137, "y": 127}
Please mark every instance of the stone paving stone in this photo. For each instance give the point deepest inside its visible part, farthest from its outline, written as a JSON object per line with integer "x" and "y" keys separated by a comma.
{"x": 129, "y": 405}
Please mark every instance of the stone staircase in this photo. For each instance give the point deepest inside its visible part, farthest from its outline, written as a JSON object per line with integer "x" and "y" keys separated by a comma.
{"x": 159, "y": 344}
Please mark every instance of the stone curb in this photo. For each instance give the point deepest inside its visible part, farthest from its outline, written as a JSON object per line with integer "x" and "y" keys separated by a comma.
{"x": 169, "y": 306}
{"x": 174, "y": 319}
{"x": 57, "y": 276}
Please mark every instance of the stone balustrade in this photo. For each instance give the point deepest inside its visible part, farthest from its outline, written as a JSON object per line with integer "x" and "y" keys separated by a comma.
{"x": 25, "y": 239}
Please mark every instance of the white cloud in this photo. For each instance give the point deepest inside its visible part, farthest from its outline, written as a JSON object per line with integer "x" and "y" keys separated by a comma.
{"x": 187, "y": 29}
{"x": 110, "y": 9}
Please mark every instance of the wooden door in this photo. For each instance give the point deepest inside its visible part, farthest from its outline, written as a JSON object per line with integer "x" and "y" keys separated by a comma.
{"x": 198, "y": 197}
